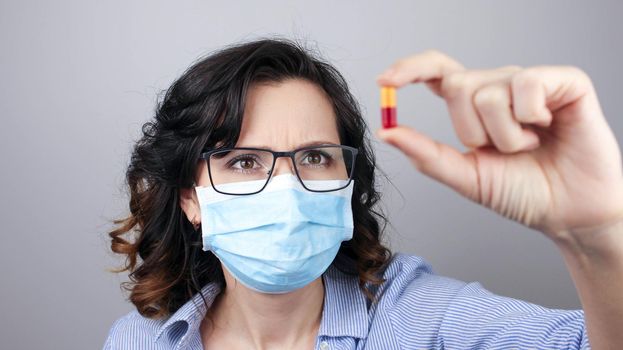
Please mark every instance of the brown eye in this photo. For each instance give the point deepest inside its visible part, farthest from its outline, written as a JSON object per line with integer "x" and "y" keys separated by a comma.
{"x": 247, "y": 163}
{"x": 314, "y": 158}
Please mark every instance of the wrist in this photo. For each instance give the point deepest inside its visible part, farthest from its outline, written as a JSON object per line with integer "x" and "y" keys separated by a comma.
{"x": 597, "y": 244}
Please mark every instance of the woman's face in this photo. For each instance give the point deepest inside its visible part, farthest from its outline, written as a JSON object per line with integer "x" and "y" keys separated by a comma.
{"x": 282, "y": 117}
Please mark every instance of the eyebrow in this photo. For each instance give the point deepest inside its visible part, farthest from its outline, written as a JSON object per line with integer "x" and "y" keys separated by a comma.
{"x": 302, "y": 145}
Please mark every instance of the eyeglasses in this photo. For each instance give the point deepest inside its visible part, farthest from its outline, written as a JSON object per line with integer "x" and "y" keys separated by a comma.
{"x": 312, "y": 165}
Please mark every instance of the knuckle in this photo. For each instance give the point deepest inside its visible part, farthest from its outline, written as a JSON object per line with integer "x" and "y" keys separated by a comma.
{"x": 532, "y": 76}
{"x": 489, "y": 96}
{"x": 512, "y": 67}
{"x": 434, "y": 53}
{"x": 454, "y": 84}
{"x": 578, "y": 72}
{"x": 526, "y": 78}
{"x": 574, "y": 69}
{"x": 450, "y": 64}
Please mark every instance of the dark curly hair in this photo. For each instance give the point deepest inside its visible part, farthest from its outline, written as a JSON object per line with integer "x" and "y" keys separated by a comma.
{"x": 202, "y": 108}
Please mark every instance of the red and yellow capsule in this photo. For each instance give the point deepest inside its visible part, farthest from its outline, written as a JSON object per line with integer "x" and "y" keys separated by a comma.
{"x": 388, "y": 106}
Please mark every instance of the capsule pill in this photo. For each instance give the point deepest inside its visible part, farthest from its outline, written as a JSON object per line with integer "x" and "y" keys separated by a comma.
{"x": 388, "y": 106}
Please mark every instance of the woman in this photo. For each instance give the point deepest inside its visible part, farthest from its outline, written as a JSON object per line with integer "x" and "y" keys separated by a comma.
{"x": 253, "y": 195}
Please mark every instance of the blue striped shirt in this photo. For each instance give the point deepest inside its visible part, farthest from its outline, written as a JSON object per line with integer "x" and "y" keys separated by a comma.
{"x": 416, "y": 309}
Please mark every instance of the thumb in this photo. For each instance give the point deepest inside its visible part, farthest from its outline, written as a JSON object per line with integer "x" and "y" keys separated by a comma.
{"x": 436, "y": 160}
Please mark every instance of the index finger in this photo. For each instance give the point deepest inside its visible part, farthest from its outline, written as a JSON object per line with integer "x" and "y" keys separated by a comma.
{"x": 425, "y": 66}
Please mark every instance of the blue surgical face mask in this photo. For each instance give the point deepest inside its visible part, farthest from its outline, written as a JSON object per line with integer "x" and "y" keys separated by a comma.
{"x": 279, "y": 239}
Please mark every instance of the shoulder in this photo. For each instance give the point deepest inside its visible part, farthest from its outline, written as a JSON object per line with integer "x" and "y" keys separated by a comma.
{"x": 426, "y": 310}
{"x": 410, "y": 276}
{"x": 412, "y": 302}
{"x": 133, "y": 331}
{"x": 413, "y": 291}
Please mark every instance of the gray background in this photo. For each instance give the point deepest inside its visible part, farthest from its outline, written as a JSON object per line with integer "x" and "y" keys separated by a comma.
{"x": 79, "y": 78}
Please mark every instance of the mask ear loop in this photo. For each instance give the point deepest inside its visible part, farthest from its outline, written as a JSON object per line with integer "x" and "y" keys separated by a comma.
{"x": 196, "y": 223}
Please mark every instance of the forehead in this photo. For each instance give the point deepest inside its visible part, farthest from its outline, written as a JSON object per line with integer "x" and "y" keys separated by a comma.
{"x": 285, "y": 115}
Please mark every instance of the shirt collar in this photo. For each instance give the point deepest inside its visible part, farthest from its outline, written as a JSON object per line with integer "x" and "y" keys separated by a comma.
{"x": 344, "y": 313}
{"x": 187, "y": 319}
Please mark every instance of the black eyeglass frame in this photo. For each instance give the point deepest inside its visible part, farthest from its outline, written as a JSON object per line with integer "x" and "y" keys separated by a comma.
{"x": 354, "y": 151}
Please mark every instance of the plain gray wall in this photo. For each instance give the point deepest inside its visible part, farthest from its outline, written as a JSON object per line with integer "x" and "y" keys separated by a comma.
{"x": 78, "y": 79}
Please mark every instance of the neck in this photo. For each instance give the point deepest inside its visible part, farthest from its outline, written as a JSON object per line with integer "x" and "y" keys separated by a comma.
{"x": 268, "y": 320}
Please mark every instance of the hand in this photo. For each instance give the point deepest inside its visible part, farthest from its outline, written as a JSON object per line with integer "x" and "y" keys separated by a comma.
{"x": 540, "y": 150}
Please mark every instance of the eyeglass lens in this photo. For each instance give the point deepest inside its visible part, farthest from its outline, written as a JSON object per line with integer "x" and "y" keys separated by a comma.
{"x": 314, "y": 166}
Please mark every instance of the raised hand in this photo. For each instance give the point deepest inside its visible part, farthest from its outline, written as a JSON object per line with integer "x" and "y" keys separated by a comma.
{"x": 541, "y": 151}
